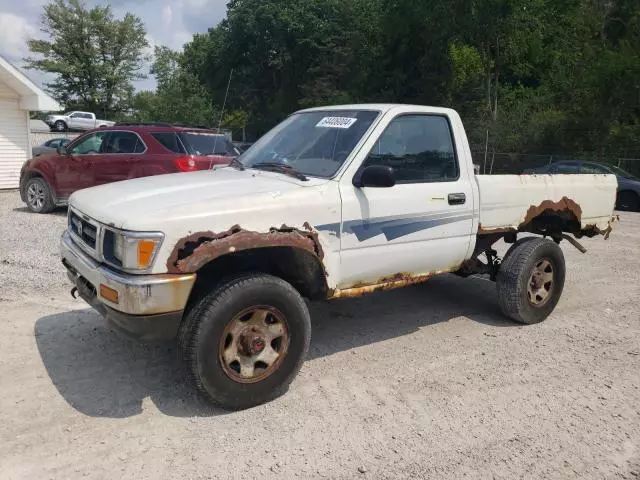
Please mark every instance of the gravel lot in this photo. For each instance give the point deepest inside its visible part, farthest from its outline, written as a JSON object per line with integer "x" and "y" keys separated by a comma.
{"x": 425, "y": 382}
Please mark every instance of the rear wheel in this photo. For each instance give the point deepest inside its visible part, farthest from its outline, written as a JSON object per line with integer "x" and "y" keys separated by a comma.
{"x": 629, "y": 201}
{"x": 38, "y": 195}
{"x": 530, "y": 280}
{"x": 244, "y": 342}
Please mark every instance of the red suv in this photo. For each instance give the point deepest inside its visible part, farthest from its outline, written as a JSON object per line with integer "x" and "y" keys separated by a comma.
{"x": 116, "y": 153}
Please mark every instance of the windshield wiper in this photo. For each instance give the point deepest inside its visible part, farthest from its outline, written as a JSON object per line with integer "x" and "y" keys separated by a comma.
{"x": 281, "y": 168}
{"x": 237, "y": 164}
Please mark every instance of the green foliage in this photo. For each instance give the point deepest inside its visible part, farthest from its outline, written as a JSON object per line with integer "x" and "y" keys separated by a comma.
{"x": 537, "y": 76}
{"x": 179, "y": 98}
{"x": 94, "y": 56}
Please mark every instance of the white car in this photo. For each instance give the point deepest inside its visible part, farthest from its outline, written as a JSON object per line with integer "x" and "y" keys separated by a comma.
{"x": 334, "y": 202}
{"x": 80, "y": 121}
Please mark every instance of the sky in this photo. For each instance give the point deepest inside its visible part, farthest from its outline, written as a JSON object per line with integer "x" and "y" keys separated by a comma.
{"x": 170, "y": 23}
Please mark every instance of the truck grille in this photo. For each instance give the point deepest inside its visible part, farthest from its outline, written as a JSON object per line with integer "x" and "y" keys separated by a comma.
{"x": 84, "y": 230}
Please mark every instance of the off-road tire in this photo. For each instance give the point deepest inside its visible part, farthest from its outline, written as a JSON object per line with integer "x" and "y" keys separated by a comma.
{"x": 60, "y": 126}
{"x": 43, "y": 190}
{"x": 204, "y": 324}
{"x": 515, "y": 273}
{"x": 628, "y": 200}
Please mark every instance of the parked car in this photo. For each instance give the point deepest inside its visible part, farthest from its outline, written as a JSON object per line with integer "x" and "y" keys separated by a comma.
{"x": 332, "y": 203}
{"x": 119, "y": 153}
{"x": 80, "y": 121}
{"x": 50, "y": 146}
{"x": 628, "y": 196}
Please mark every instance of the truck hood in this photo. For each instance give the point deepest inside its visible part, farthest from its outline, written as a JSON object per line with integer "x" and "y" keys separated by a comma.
{"x": 147, "y": 204}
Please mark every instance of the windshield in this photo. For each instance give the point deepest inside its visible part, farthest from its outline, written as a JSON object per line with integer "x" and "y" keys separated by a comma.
{"x": 313, "y": 143}
{"x": 622, "y": 173}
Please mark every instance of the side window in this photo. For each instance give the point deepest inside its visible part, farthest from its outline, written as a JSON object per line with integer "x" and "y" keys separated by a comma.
{"x": 89, "y": 145}
{"x": 170, "y": 141}
{"x": 565, "y": 168}
{"x": 86, "y": 116}
{"x": 75, "y": 115}
{"x": 592, "y": 168}
{"x": 223, "y": 146}
{"x": 419, "y": 148}
{"x": 122, "y": 142}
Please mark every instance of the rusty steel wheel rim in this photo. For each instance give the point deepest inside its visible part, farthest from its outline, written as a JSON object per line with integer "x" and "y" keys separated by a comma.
{"x": 254, "y": 344}
{"x": 541, "y": 283}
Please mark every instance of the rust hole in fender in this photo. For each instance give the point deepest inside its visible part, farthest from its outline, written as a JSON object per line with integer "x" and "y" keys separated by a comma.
{"x": 564, "y": 205}
{"x": 196, "y": 250}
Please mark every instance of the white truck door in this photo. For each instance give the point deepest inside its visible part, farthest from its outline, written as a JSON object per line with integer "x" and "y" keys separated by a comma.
{"x": 75, "y": 121}
{"x": 425, "y": 222}
{"x": 88, "y": 121}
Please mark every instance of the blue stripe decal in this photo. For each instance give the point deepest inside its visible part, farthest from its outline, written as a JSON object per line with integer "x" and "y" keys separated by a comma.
{"x": 396, "y": 226}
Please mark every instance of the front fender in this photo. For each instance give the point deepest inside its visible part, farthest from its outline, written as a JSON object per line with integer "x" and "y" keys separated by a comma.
{"x": 45, "y": 171}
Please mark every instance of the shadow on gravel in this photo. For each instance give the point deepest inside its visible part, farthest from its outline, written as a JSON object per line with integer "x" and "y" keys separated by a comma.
{"x": 345, "y": 324}
{"x": 102, "y": 374}
{"x": 58, "y": 211}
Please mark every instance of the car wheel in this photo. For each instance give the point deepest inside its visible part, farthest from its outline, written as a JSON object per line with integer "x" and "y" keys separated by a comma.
{"x": 60, "y": 126}
{"x": 629, "y": 201}
{"x": 38, "y": 195}
{"x": 530, "y": 280}
{"x": 244, "y": 342}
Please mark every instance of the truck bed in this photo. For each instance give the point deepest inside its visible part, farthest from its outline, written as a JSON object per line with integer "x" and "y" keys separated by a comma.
{"x": 511, "y": 201}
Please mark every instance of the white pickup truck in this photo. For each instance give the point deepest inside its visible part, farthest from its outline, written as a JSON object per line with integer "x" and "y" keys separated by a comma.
{"x": 80, "y": 121}
{"x": 333, "y": 202}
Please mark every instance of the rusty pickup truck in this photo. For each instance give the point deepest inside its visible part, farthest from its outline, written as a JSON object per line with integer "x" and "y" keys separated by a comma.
{"x": 333, "y": 202}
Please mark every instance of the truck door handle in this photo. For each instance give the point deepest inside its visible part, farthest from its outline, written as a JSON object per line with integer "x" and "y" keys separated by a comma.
{"x": 457, "y": 199}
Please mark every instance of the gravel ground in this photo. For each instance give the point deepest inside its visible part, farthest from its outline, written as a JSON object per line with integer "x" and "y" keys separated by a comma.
{"x": 29, "y": 257}
{"x": 425, "y": 382}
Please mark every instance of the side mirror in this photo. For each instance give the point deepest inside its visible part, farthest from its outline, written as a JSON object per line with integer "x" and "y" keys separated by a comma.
{"x": 376, "y": 176}
{"x": 476, "y": 169}
{"x": 62, "y": 150}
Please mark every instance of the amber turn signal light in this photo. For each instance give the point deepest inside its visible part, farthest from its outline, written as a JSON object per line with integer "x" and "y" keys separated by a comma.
{"x": 108, "y": 293}
{"x": 145, "y": 252}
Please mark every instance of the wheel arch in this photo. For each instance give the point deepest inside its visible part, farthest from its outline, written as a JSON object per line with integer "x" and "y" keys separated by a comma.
{"x": 628, "y": 191}
{"x": 297, "y": 266}
{"x": 41, "y": 173}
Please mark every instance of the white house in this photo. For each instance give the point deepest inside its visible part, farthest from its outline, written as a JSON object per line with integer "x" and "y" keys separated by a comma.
{"x": 18, "y": 96}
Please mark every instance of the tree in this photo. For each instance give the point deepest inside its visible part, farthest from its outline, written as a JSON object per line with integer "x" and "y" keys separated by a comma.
{"x": 94, "y": 56}
{"x": 179, "y": 97}
{"x": 536, "y": 76}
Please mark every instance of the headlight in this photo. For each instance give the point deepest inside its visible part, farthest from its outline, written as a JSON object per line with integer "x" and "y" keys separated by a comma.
{"x": 129, "y": 250}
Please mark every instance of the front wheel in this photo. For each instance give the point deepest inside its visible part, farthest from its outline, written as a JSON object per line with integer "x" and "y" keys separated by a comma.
{"x": 244, "y": 342}
{"x": 530, "y": 280}
{"x": 60, "y": 126}
{"x": 38, "y": 196}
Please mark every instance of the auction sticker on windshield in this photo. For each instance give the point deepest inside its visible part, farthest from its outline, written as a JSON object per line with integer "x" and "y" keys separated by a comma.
{"x": 336, "y": 122}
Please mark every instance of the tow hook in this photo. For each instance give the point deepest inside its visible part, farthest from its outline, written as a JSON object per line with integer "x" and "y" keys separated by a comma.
{"x": 74, "y": 292}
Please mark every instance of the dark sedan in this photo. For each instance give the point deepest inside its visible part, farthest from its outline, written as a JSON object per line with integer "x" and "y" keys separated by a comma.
{"x": 50, "y": 146}
{"x": 628, "y": 186}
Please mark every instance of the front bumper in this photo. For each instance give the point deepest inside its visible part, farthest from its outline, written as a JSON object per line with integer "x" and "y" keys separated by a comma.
{"x": 149, "y": 307}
